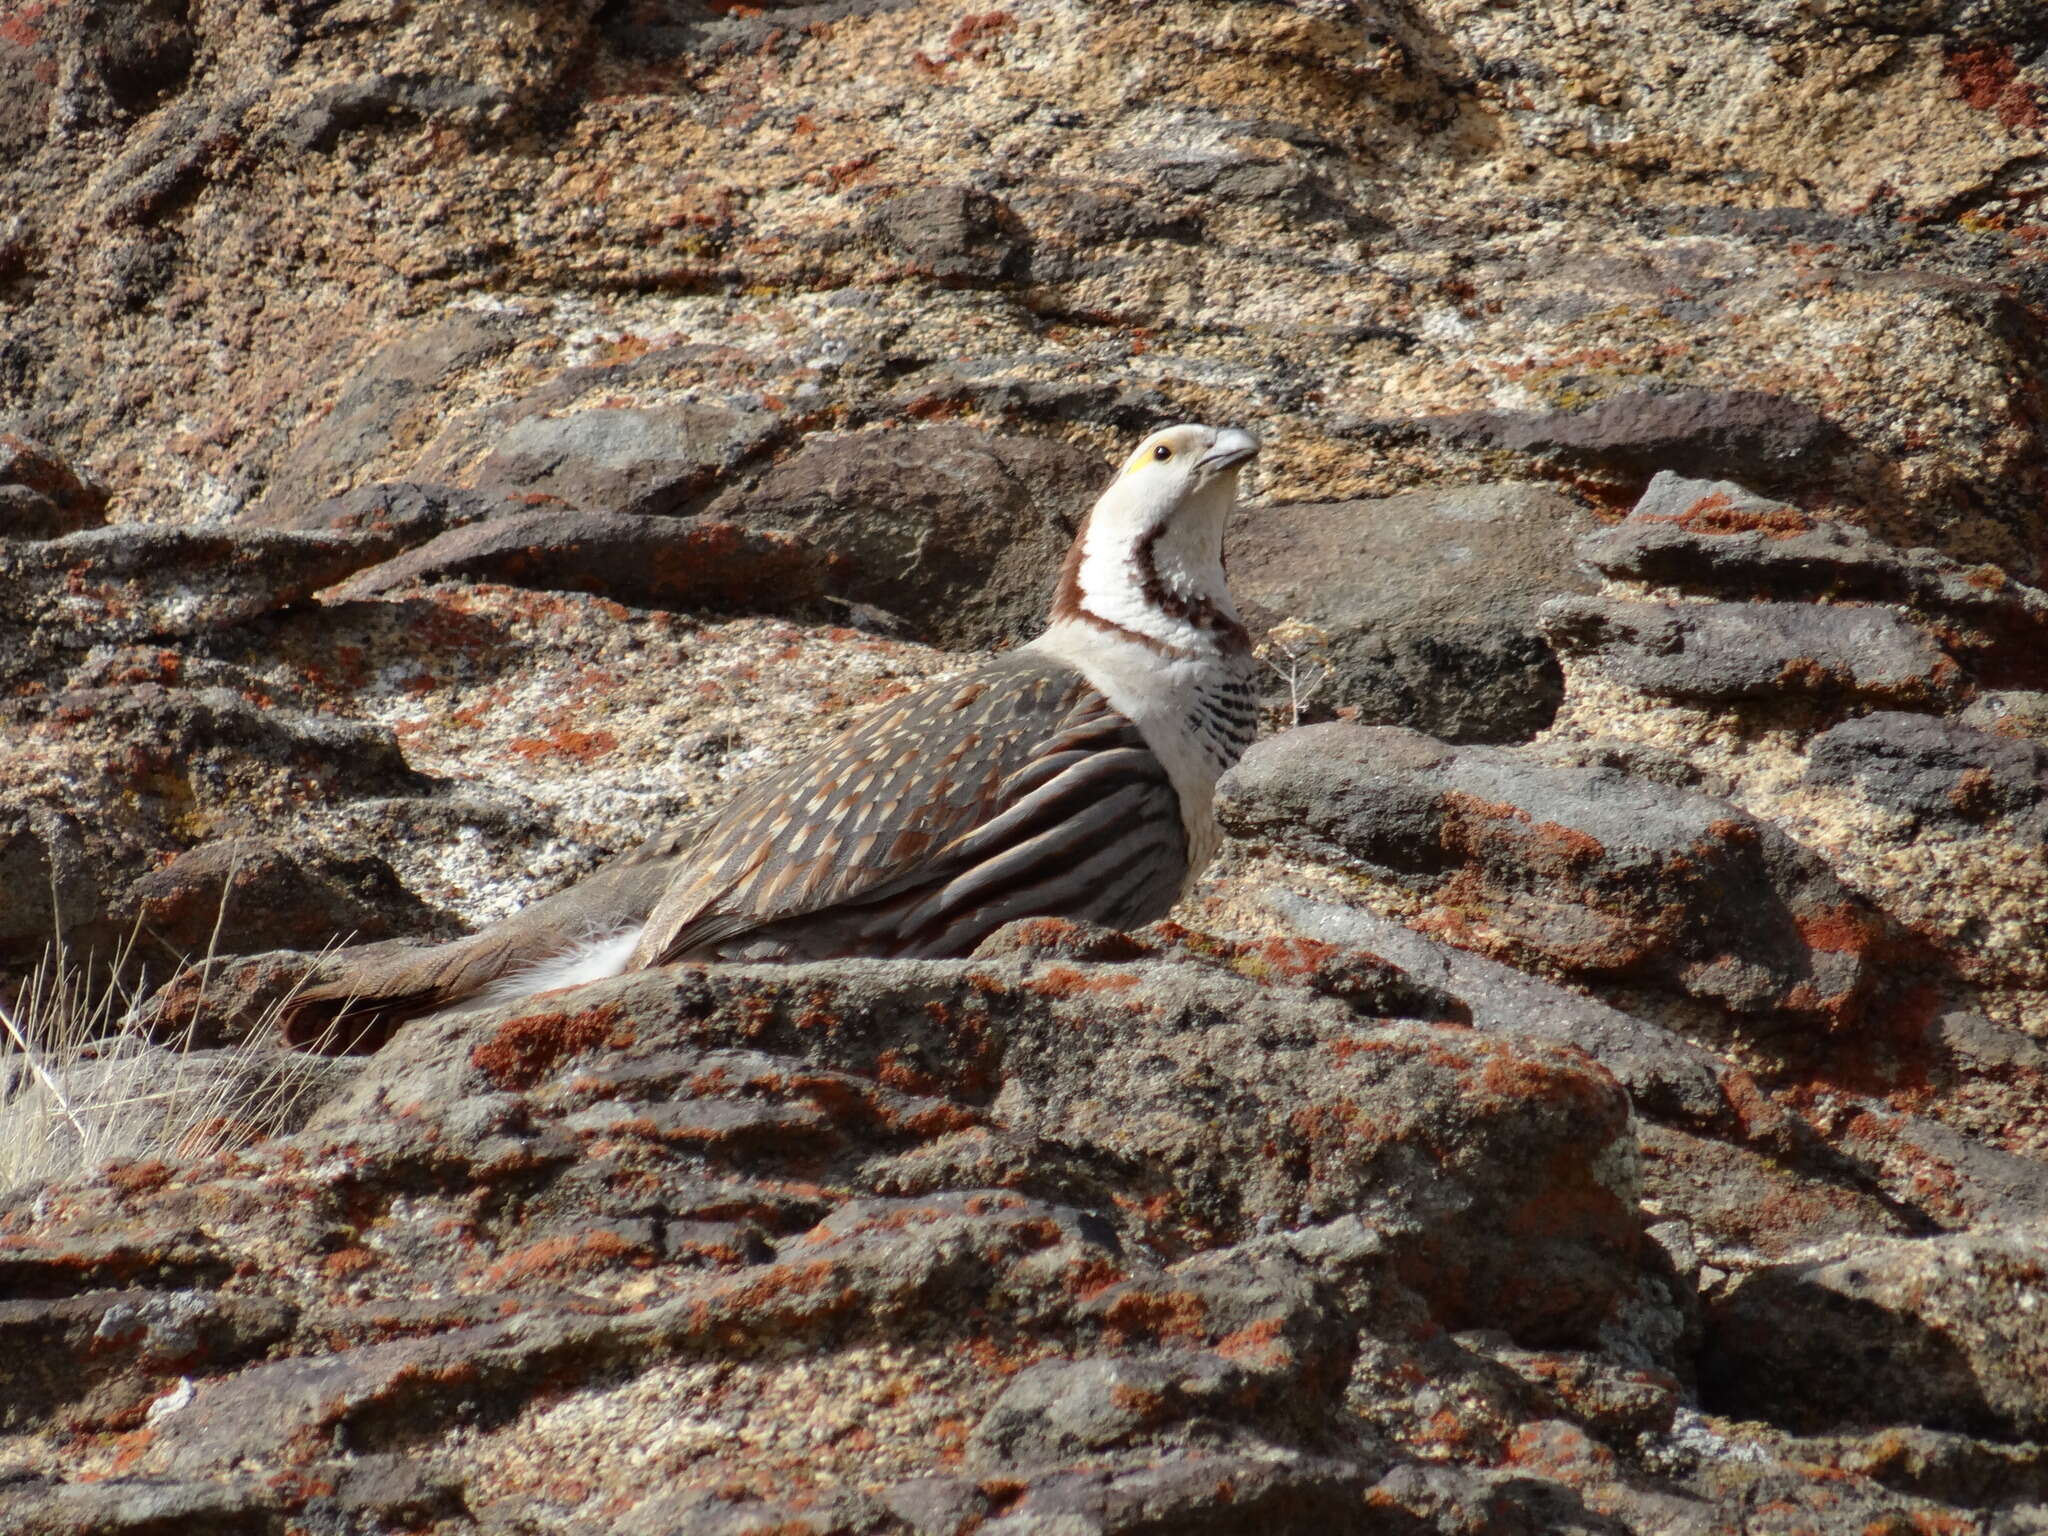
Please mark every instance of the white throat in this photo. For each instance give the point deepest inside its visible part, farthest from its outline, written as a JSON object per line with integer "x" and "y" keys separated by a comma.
{"x": 1139, "y": 576}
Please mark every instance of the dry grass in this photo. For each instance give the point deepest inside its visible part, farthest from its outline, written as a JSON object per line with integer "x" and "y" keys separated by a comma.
{"x": 81, "y": 1085}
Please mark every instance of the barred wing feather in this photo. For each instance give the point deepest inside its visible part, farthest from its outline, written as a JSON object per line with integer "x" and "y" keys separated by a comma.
{"x": 1014, "y": 792}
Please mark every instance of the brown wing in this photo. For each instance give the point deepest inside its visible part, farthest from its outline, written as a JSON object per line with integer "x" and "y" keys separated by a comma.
{"x": 1017, "y": 790}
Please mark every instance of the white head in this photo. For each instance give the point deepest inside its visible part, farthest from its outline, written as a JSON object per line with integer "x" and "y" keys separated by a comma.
{"x": 1149, "y": 558}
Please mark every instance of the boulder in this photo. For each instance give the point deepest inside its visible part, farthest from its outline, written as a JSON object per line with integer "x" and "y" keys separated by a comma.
{"x": 1427, "y": 604}
{"x": 1554, "y": 859}
{"x": 955, "y": 530}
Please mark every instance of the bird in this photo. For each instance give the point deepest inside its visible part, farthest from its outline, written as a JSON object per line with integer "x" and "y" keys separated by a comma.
{"x": 1073, "y": 777}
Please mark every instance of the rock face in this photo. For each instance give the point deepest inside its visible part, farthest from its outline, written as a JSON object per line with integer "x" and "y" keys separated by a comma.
{"x": 1427, "y": 604}
{"x": 1603, "y": 1085}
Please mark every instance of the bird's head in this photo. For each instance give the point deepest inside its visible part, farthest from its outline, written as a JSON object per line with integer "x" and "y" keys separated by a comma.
{"x": 1149, "y": 558}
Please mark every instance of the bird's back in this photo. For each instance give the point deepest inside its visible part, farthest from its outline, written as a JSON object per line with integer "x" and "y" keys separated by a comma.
{"x": 1014, "y": 791}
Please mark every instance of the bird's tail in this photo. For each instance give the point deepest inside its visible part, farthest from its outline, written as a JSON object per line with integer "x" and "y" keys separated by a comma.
{"x": 358, "y": 997}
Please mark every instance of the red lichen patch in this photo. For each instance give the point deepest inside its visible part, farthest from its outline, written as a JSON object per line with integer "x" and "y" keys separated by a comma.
{"x": 561, "y": 1257}
{"x": 1973, "y": 791}
{"x": 1323, "y": 1123}
{"x": 1838, "y": 930}
{"x": 1074, "y": 941}
{"x": 894, "y": 1069}
{"x": 1344, "y": 1047}
{"x": 1717, "y": 514}
{"x": 1090, "y": 1277}
{"x": 1283, "y": 959}
{"x": 1140, "y": 1315}
{"x": 972, "y": 29}
{"x": 578, "y": 746}
{"x": 1558, "y": 1449}
{"x": 1933, "y": 1522}
{"x": 1571, "y": 1203}
{"x": 1987, "y": 79}
{"x": 1065, "y": 981}
{"x": 129, "y": 1449}
{"x": 297, "y": 1487}
{"x": 138, "y": 1178}
{"x": 525, "y": 1049}
{"x": 1259, "y": 1343}
{"x": 344, "y": 1262}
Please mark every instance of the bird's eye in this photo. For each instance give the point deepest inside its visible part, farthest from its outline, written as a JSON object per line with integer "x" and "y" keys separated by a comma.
{"x": 1162, "y": 453}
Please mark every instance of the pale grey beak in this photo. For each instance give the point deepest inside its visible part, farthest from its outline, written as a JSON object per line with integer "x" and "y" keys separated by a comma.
{"x": 1231, "y": 449}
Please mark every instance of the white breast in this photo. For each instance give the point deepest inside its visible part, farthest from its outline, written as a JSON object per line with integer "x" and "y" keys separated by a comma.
{"x": 1160, "y": 695}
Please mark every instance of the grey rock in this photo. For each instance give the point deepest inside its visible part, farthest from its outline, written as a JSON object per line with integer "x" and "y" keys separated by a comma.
{"x": 1567, "y": 862}
{"x": 1666, "y": 1074}
{"x": 1271, "y": 1493}
{"x": 1939, "y": 773}
{"x": 959, "y": 234}
{"x": 956, "y": 530}
{"x": 125, "y": 58}
{"x": 937, "y": 1506}
{"x": 1944, "y": 1331}
{"x": 1755, "y": 651}
{"x": 1429, "y": 600}
{"x": 380, "y": 100}
{"x": 1062, "y": 1410}
{"x": 140, "y": 581}
{"x": 42, "y": 496}
{"x": 236, "y": 895}
{"x": 1142, "y": 1092}
{"x": 1716, "y": 537}
{"x": 392, "y": 396}
{"x": 1745, "y": 434}
{"x": 410, "y": 511}
{"x": 142, "y": 1506}
{"x": 102, "y": 1347}
{"x": 656, "y": 562}
{"x": 624, "y": 459}
{"x": 47, "y": 877}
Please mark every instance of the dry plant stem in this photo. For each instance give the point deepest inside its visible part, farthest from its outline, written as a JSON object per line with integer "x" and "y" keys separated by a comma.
{"x": 42, "y": 1075}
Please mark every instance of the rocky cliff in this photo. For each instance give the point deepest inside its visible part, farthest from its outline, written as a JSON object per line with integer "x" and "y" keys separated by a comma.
{"x": 1603, "y": 1086}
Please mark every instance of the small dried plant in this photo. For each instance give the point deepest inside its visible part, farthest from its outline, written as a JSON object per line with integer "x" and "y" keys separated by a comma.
{"x": 82, "y": 1084}
{"x": 1299, "y": 653}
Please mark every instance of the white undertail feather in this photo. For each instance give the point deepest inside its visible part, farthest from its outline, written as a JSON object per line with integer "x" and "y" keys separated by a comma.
{"x": 590, "y": 959}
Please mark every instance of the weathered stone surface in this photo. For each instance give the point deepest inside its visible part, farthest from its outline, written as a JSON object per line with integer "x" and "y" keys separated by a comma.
{"x": 1945, "y": 1331}
{"x": 46, "y": 876}
{"x": 650, "y": 562}
{"x": 237, "y": 895}
{"x": 389, "y": 403}
{"x": 1535, "y": 857}
{"x": 955, "y": 530}
{"x": 172, "y": 759}
{"x": 1938, "y": 773}
{"x": 1747, "y": 434}
{"x": 770, "y": 1160}
{"x": 620, "y": 459}
{"x": 326, "y": 264}
{"x": 957, "y": 234}
{"x": 42, "y": 496}
{"x": 1716, "y": 537}
{"x": 410, "y": 511}
{"x": 1664, "y": 1073}
{"x": 1428, "y": 602}
{"x": 135, "y": 583}
{"x": 96, "y": 1351}
{"x": 1755, "y": 651}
